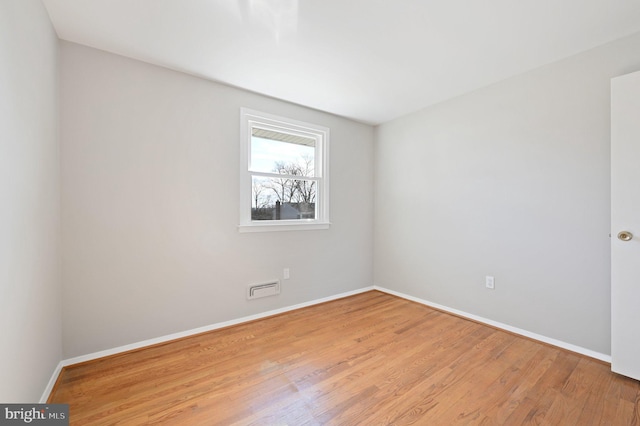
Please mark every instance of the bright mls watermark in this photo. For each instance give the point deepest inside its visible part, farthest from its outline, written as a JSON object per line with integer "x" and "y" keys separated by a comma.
{"x": 36, "y": 414}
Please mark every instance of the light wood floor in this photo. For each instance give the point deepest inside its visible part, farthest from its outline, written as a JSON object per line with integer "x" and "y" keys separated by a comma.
{"x": 369, "y": 359}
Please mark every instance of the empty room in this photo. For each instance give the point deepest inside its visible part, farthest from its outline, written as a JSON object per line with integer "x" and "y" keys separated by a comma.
{"x": 306, "y": 212}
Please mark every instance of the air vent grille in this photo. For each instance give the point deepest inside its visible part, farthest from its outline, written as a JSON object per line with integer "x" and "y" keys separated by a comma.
{"x": 256, "y": 291}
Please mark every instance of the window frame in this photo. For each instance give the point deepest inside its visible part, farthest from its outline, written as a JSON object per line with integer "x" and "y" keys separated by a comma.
{"x": 249, "y": 119}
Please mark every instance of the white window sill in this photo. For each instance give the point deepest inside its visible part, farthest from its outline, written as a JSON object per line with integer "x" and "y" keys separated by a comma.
{"x": 271, "y": 227}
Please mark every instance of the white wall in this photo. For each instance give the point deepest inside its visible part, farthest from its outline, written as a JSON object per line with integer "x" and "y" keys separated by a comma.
{"x": 510, "y": 181}
{"x": 150, "y": 196}
{"x": 30, "y": 312}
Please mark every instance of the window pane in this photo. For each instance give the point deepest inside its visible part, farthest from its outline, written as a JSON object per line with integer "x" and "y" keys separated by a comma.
{"x": 283, "y": 199}
{"x": 274, "y": 152}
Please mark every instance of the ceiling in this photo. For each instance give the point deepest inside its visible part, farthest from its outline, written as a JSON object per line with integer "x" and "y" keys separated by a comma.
{"x": 368, "y": 60}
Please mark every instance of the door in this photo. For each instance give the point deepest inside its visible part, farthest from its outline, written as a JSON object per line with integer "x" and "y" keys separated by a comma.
{"x": 625, "y": 225}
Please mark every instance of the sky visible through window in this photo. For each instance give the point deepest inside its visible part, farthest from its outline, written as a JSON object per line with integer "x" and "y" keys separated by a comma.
{"x": 265, "y": 152}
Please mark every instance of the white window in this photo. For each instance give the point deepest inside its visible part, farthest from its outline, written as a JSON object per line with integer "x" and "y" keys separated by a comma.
{"x": 284, "y": 182}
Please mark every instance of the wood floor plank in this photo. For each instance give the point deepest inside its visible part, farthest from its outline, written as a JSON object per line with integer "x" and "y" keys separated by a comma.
{"x": 367, "y": 359}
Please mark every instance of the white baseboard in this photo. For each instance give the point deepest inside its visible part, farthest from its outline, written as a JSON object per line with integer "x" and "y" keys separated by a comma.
{"x": 52, "y": 382}
{"x": 506, "y": 327}
{"x": 174, "y": 336}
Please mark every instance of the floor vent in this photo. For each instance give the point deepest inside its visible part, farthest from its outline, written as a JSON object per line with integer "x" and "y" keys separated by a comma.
{"x": 255, "y": 291}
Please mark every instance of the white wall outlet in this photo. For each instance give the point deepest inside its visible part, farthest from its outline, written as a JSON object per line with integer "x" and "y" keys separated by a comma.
{"x": 285, "y": 273}
{"x": 489, "y": 282}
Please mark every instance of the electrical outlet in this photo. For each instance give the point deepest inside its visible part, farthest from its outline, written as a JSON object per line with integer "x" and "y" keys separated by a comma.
{"x": 489, "y": 282}
{"x": 285, "y": 273}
